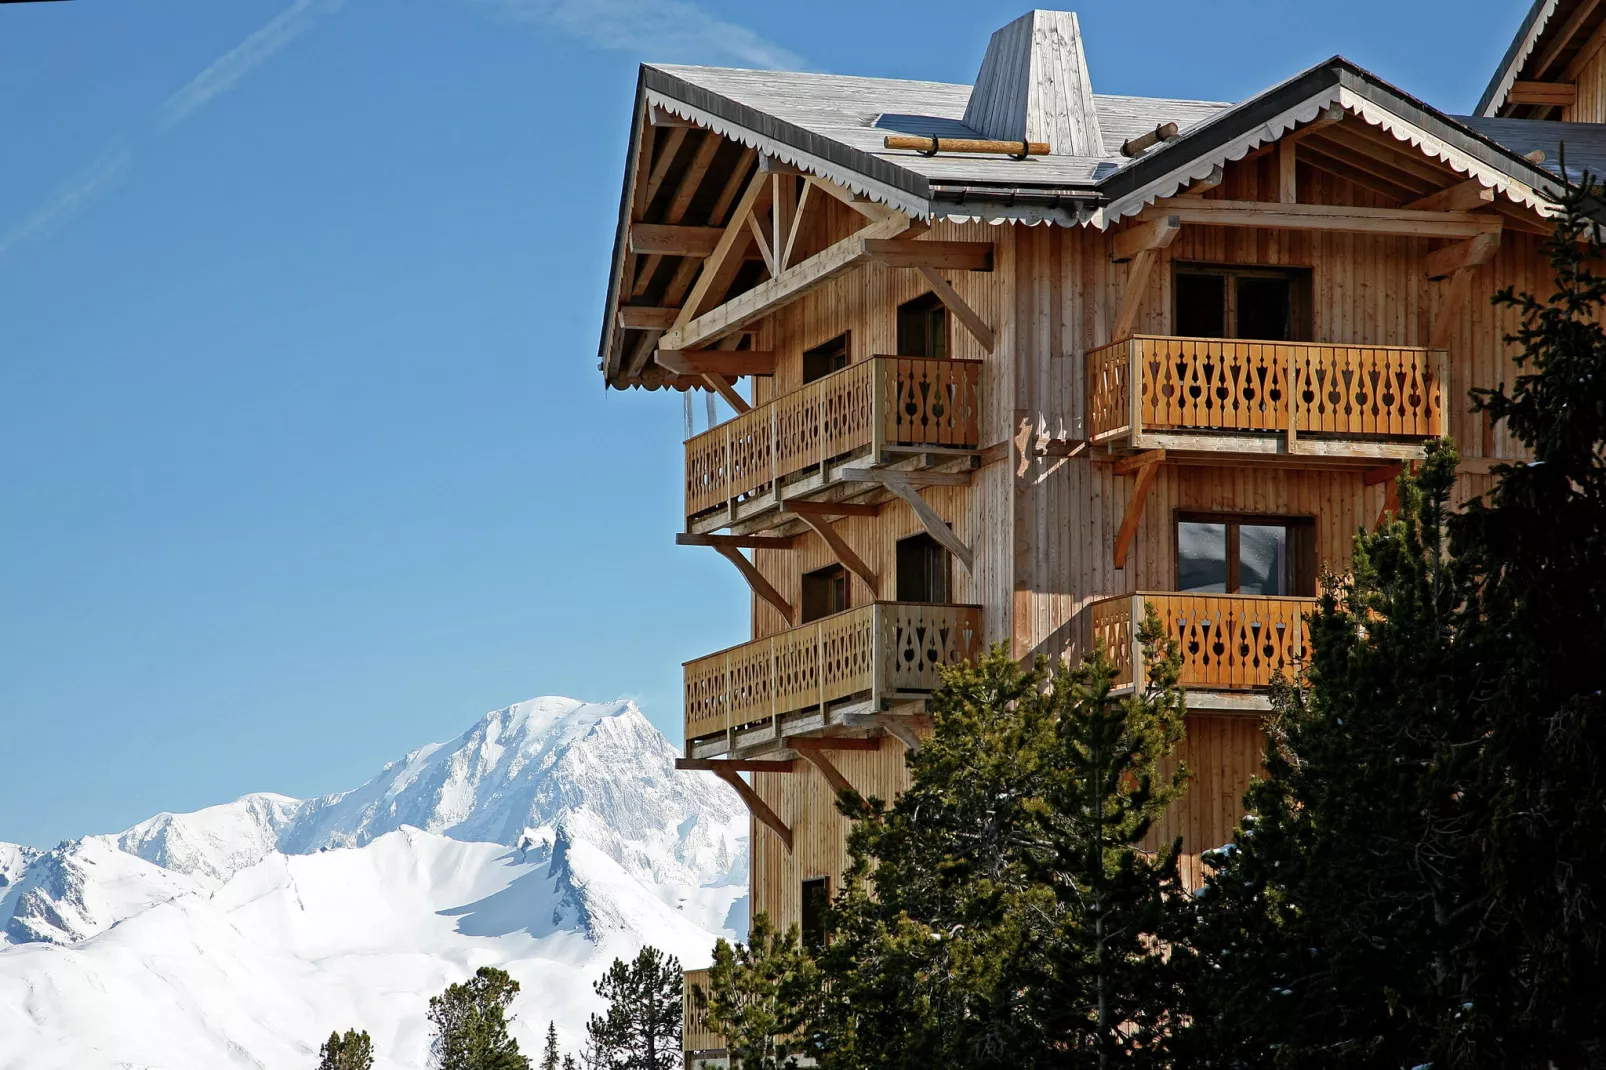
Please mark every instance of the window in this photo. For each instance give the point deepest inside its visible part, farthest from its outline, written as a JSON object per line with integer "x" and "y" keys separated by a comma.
{"x": 816, "y": 899}
{"x": 824, "y": 359}
{"x": 924, "y": 567}
{"x": 1246, "y": 555}
{"x": 1266, "y": 304}
{"x": 826, "y": 591}
{"x": 923, "y": 328}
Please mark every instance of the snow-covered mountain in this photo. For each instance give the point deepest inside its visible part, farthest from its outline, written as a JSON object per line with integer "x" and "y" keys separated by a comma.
{"x": 550, "y": 837}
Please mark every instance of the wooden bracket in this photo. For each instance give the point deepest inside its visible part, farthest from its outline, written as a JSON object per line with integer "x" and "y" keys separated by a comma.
{"x": 898, "y": 483}
{"x": 902, "y": 731}
{"x": 1461, "y": 197}
{"x": 755, "y": 579}
{"x": 800, "y": 508}
{"x": 722, "y": 386}
{"x": 716, "y": 361}
{"x": 813, "y": 749}
{"x": 728, "y": 772}
{"x": 1147, "y": 466}
{"x": 1141, "y": 237}
{"x": 1137, "y": 284}
{"x": 844, "y": 553}
{"x": 956, "y": 304}
{"x": 744, "y": 542}
{"x": 1474, "y": 252}
{"x": 1382, "y": 474}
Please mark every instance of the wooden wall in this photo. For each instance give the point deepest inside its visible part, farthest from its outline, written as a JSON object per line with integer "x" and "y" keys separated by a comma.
{"x": 1590, "y": 70}
{"x": 1043, "y": 529}
{"x": 805, "y": 801}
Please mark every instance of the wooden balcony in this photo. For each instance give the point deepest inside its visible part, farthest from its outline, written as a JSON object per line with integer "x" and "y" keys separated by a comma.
{"x": 1316, "y": 401}
{"x": 880, "y": 410}
{"x": 1229, "y": 642}
{"x": 809, "y": 679}
{"x": 696, "y": 1039}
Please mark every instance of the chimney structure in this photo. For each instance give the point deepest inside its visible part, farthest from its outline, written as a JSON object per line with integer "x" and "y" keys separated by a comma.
{"x": 1034, "y": 86}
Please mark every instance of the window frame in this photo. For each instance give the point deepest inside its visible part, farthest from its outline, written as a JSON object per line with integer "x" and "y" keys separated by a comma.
{"x": 1298, "y": 577}
{"x": 824, "y": 881}
{"x": 1302, "y": 280}
{"x": 839, "y": 574}
{"x": 928, "y": 544}
{"x": 933, "y": 304}
{"x": 846, "y": 338}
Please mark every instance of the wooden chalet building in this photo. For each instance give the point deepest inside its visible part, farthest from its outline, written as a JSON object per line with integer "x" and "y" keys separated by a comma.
{"x": 1080, "y": 353}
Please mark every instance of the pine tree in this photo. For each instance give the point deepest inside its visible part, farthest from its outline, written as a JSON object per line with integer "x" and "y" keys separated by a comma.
{"x": 549, "y": 1056}
{"x": 1000, "y": 913}
{"x": 471, "y": 1024}
{"x": 353, "y": 1051}
{"x": 761, "y": 996}
{"x": 1531, "y": 991}
{"x": 1326, "y": 931}
{"x": 642, "y": 1028}
{"x": 568, "y": 1062}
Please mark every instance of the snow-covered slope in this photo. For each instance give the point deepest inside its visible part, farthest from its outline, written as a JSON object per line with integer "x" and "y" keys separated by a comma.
{"x": 549, "y": 838}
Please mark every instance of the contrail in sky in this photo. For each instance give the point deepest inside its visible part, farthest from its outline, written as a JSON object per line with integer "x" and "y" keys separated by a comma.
{"x": 661, "y": 29}
{"x": 117, "y": 158}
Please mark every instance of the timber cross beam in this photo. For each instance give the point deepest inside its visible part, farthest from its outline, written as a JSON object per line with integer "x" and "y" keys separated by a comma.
{"x": 902, "y": 484}
{"x": 1145, "y": 466}
{"x": 730, "y": 547}
{"x": 730, "y": 772}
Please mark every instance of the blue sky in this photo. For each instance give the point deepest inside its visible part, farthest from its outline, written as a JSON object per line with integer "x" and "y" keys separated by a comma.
{"x": 304, "y": 458}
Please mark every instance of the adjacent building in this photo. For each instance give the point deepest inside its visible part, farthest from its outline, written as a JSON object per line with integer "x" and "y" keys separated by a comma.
{"x": 1010, "y": 360}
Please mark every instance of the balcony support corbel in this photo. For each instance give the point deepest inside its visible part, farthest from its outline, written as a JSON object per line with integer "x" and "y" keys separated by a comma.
{"x": 1142, "y": 245}
{"x": 900, "y": 483}
{"x": 950, "y": 298}
{"x": 1146, "y": 466}
{"x": 813, "y": 750}
{"x": 730, "y": 548}
{"x": 839, "y": 546}
{"x": 730, "y": 772}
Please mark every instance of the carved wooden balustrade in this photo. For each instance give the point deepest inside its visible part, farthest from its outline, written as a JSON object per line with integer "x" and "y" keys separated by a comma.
{"x": 874, "y": 405}
{"x": 877, "y": 651}
{"x": 1229, "y": 642}
{"x": 1215, "y": 384}
{"x": 695, "y": 1035}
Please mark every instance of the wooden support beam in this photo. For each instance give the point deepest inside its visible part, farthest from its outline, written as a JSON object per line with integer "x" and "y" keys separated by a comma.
{"x": 1137, "y": 284}
{"x": 1311, "y": 154}
{"x": 844, "y": 553}
{"x": 646, "y": 317}
{"x": 1216, "y": 177}
{"x": 664, "y": 239}
{"x": 742, "y": 542}
{"x": 828, "y": 769}
{"x": 763, "y": 244}
{"x": 1332, "y": 115}
{"x": 755, "y": 579}
{"x": 800, "y": 508}
{"x": 932, "y": 145}
{"x": 717, "y": 265}
{"x": 1382, "y": 474}
{"x": 1451, "y": 310}
{"x": 1367, "y": 142}
{"x": 1474, "y": 252}
{"x": 1560, "y": 39}
{"x": 1147, "y": 466}
{"x": 783, "y": 197}
{"x": 859, "y": 743}
{"x": 914, "y": 479}
{"x": 722, "y": 386}
{"x": 736, "y": 765}
{"x": 717, "y": 361}
{"x": 783, "y": 289}
{"x": 1461, "y": 197}
{"x": 757, "y": 806}
{"x": 871, "y": 210}
{"x": 661, "y": 118}
{"x": 797, "y": 223}
{"x": 1328, "y": 217}
{"x": 898, "y": 483}
{"x": 1550, "y": 94}
{"x": 672, "y": 139}
{"x": 956, "y": 304}
{"x": 770, "y": 165}
{"x": 902, "y": 731}
{"x": 1141, "y": 237}
{"x": 1287, "y": 175}
{"x": 942, "y": 255}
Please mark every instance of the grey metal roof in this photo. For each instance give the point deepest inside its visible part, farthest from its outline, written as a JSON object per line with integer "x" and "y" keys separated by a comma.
{"x": 857, "y": 113}
{"x": 1583, "y": 144}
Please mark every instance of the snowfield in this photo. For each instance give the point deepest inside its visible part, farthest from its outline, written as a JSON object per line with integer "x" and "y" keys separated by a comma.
{"x": 550, "y": 838}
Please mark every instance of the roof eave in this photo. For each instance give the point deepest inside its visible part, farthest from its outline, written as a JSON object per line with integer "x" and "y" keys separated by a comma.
{"x": 1522, "y": 46}
{"x": 607, "y": 346}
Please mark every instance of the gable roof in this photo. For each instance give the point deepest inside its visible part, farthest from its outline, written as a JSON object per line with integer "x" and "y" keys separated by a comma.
{"x": 1547, "y": 42}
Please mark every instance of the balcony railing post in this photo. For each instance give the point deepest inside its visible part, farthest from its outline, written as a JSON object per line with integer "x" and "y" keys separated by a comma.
{"x": 1293, "y": 398}
{"x": 1140, "y": 672}
{"x": 877, "y": 617}
{"x": 880, "y": 405}
{"x": 1134, "y": 388}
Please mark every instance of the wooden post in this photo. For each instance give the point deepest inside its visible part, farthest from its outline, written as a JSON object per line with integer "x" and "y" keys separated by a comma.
{"x": 1140, "y": 675}
{"x": 1293, "y": 398}
{"x": 1134, "y": 388}
{"x": 876, "y": 613}
{"x": 881, "y": 372}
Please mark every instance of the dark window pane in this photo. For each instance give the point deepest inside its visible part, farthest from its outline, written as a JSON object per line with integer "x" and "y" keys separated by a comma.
{"x": 822, "y": 360}
{"x": 825, "y": 591}
{"x": 816, "y": 898}
{"x": 1265, "y": 309}
{"x": 1201, "y": 305}
{"x": 1202, "y": 557}
{"x": 923, "y": 328}
{"x": 924, "y": 567}
{"x": 1263, "y": 559}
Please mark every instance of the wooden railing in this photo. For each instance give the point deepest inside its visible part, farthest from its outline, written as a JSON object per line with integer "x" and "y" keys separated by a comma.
{"x": 1215, "y": 384}
{"x": 882, "y": 649}
{"x": 694, "y": 1032}
{"x": 875, "y": 404}
{"x": 1229, "y": 642}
